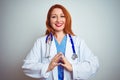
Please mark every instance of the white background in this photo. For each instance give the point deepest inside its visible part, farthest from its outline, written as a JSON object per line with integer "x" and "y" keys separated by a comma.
{"x": 23, "y": 21}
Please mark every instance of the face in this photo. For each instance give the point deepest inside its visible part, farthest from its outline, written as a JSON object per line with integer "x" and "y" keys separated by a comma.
{"x": 57, "y": 19}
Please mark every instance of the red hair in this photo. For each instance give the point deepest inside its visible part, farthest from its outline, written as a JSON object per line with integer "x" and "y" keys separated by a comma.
{"x": 67, "y": 29}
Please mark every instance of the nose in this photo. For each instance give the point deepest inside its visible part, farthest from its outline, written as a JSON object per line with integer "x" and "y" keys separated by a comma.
{"x": 58, "y": 19}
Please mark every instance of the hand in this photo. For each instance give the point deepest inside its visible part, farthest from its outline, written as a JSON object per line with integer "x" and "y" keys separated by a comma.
{"x": 66, "y": 64}
{"x": 54, "y": 62}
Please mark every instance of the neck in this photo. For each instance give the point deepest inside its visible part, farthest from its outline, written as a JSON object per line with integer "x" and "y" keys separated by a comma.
{"x": 59, "y": 36}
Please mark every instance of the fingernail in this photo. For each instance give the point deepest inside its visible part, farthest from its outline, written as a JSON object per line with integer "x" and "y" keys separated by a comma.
{"x": 59, "y": 63}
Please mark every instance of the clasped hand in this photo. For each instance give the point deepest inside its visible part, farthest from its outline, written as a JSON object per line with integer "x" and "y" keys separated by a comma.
{"x": 59, "y": 59}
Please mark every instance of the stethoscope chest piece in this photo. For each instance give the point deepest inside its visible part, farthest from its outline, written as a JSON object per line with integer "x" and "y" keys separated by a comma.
{"x": 74, "y": 56}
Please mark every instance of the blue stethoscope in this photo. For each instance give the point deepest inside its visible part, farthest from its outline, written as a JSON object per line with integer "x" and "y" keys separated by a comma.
{"x": 49, "y": 40}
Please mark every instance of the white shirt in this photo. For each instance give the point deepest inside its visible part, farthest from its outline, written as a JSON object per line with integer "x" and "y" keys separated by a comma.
{"x": 36, "y": 64}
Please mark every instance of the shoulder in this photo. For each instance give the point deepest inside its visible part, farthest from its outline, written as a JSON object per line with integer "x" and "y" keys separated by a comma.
{"x": 41, "y": 39}
{"x": 77, "y": 38}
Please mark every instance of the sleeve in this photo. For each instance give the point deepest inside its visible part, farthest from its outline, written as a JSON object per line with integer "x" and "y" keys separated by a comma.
{"x": 87, "y": 64}
{"x": 33, "y": 66}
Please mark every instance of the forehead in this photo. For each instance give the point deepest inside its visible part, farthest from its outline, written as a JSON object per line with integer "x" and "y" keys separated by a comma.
{"x": 57, "y": 10}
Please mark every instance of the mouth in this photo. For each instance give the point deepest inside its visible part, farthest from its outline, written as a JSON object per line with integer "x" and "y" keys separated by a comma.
{"x": 59, "y": 24}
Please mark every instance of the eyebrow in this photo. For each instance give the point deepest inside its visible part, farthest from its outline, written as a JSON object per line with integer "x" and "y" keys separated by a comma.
{"x": 60, "y": 14}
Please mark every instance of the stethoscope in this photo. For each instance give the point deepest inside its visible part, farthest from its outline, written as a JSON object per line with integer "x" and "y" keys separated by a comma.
{"x": 49, "y": 40}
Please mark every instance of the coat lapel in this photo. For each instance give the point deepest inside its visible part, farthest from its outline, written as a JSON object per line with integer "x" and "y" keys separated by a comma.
{"x": 68, "y": 52}
{"x": 53, "y": 52}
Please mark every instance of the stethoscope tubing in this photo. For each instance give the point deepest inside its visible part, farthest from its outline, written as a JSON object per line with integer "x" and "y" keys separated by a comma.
{"x": 49, "y": 40}
{"x": 72, "y": 43}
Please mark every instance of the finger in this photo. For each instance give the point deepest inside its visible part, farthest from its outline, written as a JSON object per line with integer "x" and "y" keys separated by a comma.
{"x": 62, "y": 64}
{"x": 55, "y": 64}
{"x": 59, "y": 54}
{"x": 63, "y": 58}
{"x": 57, "y": 57}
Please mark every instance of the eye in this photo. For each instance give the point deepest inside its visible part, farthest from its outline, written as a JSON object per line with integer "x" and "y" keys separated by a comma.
{"x": 53, "y": 16}
{"x": 63, "y": 16}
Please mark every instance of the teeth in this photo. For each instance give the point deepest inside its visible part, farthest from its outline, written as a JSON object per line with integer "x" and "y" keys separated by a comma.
{"x": 59, "y": 24}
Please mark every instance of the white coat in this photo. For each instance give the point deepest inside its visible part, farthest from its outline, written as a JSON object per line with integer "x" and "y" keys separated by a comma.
{"x": 36, "y": 64}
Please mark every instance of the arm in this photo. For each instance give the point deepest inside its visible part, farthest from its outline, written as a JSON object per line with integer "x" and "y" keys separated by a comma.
{"x": 87, "y": 65}
{"x": 33, "y": 65}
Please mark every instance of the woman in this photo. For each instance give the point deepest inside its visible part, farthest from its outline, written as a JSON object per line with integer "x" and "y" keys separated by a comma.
{"x": 60, "y": 55}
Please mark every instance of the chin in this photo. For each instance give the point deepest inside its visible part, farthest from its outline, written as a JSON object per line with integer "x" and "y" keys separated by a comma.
{"x": 58, "y": 30}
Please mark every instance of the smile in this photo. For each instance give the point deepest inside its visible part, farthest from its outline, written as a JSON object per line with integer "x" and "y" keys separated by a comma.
{"x": 59, "y": 24}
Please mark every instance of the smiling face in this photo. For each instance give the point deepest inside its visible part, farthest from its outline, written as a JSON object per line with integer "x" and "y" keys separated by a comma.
{"x": 57, "y": 20}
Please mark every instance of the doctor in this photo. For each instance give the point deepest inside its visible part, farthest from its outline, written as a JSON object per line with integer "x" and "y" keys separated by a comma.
{"x": 60, "y": 55}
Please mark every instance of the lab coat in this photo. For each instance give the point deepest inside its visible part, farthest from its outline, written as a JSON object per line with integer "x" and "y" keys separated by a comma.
{"x": 36, "y": 64}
